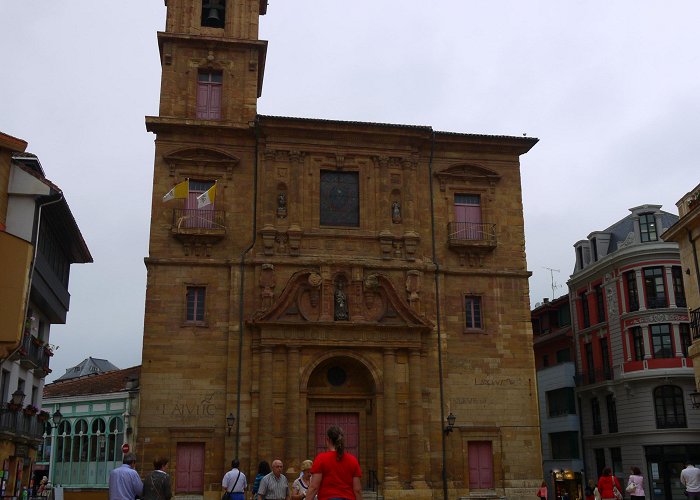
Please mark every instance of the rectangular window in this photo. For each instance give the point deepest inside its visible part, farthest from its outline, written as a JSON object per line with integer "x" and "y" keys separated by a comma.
{"x": 661, "y": 341}
{"x": 5, "y": 386}
{"x": 480, "y": 456}
{"x": 616, "y": 460}
{"x": 647, "y": 227}
{"x": 670, "y": 410}
{"x": 678, "y": 290}
{"x": 654, "y": 287}
{"x": 590, "y": 363}
{"x": 195, "y": 304}
{"x": 586, "y": 315}
{"x": 561, "y": 402}
{"x": 564, "y": 445}
{"x": 192, "y": 215}
{"x": 684, "y": 331}
{"x": 340, "y": 199}
{"x": 599, "y": 460}
{"x": 564, "y": 315}
{"x": 632, "y": 294}
{"x": 605, "y": 357}
{"x": 564, "y": 355}
{"x": 600, "y": 303}
{"x": 595, "y": 417}
{"x": 594, "y": 247}
{"x": 611, "y": 408}
{"x": 472, "y": 312}
{"x": 209, "y": 88}
{"x": 468, "y": 224}
{"x": 637, "y": 343}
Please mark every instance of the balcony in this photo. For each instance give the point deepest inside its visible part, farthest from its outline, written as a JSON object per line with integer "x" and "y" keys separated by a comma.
{"x": 656, "y": 302}
{"x": 695, "y": 323}
{"x": 471, "y": 235}
{"x": 19, "y": 424}
{"x": 594, "y": 377}
{"x": 33, "y": 354}
{"x": 195, "y": 226}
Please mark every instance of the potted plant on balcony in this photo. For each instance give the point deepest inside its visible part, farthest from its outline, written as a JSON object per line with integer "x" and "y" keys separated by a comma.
{"x": 43, "y": 416}
{"x": 37, "y": 341}
{"x": 31, "y": 410}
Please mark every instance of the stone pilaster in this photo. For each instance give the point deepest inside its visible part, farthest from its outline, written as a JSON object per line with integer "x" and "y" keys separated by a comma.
{"x": 391, "y": 431}
{"x": 265, "y": 383}
{"x": 292, "y": 452}
{"x": 415, "y": 423}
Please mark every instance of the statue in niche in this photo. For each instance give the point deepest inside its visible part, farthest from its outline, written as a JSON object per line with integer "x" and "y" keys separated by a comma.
{"x": 340, "y": 303}
{"x": 282, "y": 205}
{"x": 396, "y": 212}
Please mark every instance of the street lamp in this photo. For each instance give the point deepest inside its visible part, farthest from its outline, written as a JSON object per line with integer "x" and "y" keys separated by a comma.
{"x": 230, "y": 420}
{"x": 695, "y": 399}
{"x": 450, "y": 423}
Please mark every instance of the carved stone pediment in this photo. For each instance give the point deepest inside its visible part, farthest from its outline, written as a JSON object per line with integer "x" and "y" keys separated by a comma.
{"x": 193, "y": 159}
{"x": 467, "y": 173}
{"x": 308, "y": 298}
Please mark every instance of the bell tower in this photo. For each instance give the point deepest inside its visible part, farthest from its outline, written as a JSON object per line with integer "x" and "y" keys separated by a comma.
{"x": 212, "y": 63}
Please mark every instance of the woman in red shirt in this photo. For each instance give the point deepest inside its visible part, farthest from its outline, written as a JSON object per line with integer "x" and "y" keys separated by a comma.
{"x": 335, "y": 474}
{"x": 606, "y": 483}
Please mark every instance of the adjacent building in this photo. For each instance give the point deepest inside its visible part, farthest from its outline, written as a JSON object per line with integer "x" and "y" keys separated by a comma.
{"x": 304, "y": 272}
{"x": 97, "y": 416}
{"x": 632, "y": 335}
{"x": 560, "y": 425}
{"x": 39, "y": 240}
{"x": 686, "y": 232}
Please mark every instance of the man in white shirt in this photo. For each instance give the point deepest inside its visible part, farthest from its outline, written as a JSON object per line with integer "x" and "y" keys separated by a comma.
{"x": 690, "y": 478}
{"x": 234, "y": 482}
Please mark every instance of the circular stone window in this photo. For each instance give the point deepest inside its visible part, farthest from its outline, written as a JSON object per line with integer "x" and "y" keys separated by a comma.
{"x": 336, "y": 376}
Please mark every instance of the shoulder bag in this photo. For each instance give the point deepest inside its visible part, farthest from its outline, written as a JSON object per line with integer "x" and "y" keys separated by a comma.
{"x": 227, "y": 495}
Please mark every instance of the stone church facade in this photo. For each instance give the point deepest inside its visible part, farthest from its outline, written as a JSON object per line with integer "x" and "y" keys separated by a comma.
{"x": 366, "y": 274}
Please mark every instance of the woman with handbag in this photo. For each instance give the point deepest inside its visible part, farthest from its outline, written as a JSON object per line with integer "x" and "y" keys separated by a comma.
{"x": 542, "y": 492}
{"x": 156, "y": 485}
{"x": 635, "y": 485}
{"x": 608, "y": 486}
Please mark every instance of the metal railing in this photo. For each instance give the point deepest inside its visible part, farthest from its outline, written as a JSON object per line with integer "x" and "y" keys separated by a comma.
{"x": 471, "y": 231}
{"x": 656, "y": 302}
{"x": 194, "y": 218}
{"x": 695, "y": 323}
{"x": 19, "y": 423}
{"x": 33, "y": 353}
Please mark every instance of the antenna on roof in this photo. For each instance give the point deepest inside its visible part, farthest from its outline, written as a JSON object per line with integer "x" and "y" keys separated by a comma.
{"x": 554, "y": 284}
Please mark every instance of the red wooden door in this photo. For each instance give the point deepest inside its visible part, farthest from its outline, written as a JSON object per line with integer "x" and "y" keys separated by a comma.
{"x": 468, "y": 216}
{"x": 480, "y": 465}
{"x": 349, "y": 422}
{"x": 189, "y": 472}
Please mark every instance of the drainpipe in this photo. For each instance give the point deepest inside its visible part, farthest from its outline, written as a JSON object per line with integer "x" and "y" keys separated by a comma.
{"x": 437, "y": 316}
{"x": 256, "y": 130}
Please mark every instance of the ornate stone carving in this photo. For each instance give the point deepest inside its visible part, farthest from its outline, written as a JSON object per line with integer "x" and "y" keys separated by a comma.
{"x": 282, "y": 205}
{"x": 267, "y": 285}
{"x": 413, "y": 278}
{"x": 628, "y": 241}
{"x": 340, "y": 302}
{"x": 396, "y": 212}
{"x": 268, "y": 233}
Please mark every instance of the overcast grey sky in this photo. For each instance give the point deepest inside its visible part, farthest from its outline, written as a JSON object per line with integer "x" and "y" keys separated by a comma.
{"x": 611, "y": 89}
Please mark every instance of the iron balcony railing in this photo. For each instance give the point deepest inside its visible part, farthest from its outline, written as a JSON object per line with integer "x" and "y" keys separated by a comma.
{"x": 33, "y": 353}
{"x": 594, "y": 377}
{"x": 18, "y": 423}
{"x": 185, "y": 219}
{"x": 471, "y": 232}
{"x": 695, "y": 323}
{"x": 656, "y": 302}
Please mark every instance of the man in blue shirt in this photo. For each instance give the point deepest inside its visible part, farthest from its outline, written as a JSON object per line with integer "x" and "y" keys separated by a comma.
{"x": 124, "y": 482}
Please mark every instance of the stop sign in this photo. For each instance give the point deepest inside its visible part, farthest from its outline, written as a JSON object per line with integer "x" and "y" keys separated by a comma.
{"x": 125, "y": 448}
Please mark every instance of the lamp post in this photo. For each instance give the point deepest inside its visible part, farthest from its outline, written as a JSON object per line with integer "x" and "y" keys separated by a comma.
{"x": 450, "y": 423}
{"x": 54, "y": 422}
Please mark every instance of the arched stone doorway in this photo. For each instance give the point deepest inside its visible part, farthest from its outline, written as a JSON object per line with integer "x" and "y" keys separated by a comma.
{"x": 341, "y": 389}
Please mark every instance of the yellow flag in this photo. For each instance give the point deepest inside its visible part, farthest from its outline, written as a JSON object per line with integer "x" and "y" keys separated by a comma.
{"x": 180, "y": 190}
{"x": 207, "y": 197}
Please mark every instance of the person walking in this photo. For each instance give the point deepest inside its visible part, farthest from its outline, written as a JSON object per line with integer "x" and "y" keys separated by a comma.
{"x": 263, "y": 470}
{"x": 274, "y": 486}
{"x": 301, "y": 484}
{"x": 607, "y": 484}
{"x": 156, "y": 485}
{"x": 635, "y": 484}
{"x": 690, "y": 478}
{"x": 588, "y": 492}
{"x": 542, "y": 493}
{"x": 124, "y": 482}
{"x": 335, "y": 473}
{"x": 234, "y": 482}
